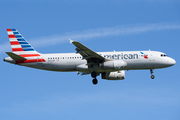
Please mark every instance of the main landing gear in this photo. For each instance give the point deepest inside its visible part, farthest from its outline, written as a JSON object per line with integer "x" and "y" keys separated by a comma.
{"x": 94, "y": 75}
{"x": 152, "y": 76}
{"x": 94, "y": 81}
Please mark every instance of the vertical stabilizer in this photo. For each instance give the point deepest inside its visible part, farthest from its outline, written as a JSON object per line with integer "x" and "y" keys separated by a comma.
{"x": 18, "y": 43}
{"x": 23, "y": 52}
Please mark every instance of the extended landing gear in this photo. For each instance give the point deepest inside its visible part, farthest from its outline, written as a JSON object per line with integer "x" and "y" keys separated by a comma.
{"x": 152, "y": 76}
{"x": 94, "y": 75}
{"x": 94, "y": 81}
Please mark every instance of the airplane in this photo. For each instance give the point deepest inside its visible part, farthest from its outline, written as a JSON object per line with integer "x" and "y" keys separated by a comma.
{"x": 111, "y": 65}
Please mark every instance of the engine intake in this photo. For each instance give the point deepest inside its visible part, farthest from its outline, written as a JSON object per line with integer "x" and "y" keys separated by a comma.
{"x": 118, "y": 75}
{"x": 114, "y": 65}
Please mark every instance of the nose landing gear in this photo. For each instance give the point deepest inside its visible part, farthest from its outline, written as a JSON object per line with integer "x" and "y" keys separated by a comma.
{"x": 152, "y": 76}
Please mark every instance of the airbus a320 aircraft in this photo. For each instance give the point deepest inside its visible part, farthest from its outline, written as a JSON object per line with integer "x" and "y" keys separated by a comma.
{"x": 110, "y": 65}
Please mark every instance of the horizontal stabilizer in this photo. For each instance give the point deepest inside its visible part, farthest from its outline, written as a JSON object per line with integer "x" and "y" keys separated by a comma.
{"x": 15, "y": 56}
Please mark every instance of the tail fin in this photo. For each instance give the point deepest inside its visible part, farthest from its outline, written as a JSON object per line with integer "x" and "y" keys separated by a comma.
{"x": 18, "y": 43}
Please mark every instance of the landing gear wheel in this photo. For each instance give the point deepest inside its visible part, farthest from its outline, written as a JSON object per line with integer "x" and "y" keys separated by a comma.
{"x": 95, "y": 81}
{"x": 152, "y": 76}
{"x": 93, "y": 74}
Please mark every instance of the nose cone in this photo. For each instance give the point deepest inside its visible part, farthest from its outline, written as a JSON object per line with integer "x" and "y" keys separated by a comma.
{"x": 169, "y": 62}
{"x": 172, "y": 62}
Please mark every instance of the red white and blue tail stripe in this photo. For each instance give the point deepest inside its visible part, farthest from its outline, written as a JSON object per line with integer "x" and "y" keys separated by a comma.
{"x": 22, "y": 48}
{"x": 18, "y": 42}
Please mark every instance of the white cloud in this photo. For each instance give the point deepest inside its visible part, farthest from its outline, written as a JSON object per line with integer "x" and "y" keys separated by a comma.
{"x": 94, "y": 33}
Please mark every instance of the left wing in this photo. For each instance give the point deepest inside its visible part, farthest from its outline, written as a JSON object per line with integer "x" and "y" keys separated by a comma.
{"x": 91, "y": 56}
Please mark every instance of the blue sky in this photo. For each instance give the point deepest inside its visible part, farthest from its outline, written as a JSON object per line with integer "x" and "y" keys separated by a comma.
{"x": 121, "y": 25}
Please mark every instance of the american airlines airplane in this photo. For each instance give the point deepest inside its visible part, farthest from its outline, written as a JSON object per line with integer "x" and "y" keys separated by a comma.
{"x": 110, "y": 65}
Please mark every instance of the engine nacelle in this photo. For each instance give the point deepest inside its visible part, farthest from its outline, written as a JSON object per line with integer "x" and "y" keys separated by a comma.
{"x": 118, "y": 75}
{"x": 113, "y": 65}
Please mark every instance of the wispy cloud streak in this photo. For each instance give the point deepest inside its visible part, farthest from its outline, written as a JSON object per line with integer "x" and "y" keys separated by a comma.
{"x": 95, "y": 33}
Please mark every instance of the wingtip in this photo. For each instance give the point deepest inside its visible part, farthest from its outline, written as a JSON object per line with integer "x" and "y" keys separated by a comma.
{"x": 70, "y": 40}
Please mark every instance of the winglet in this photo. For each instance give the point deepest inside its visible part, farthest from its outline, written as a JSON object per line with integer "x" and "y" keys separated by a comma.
{"x": 71, "y": 40}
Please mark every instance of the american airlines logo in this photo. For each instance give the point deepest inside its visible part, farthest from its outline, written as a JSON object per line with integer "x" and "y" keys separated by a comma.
{"x": 121, "y": 56}
{"x": 145, "y": 56}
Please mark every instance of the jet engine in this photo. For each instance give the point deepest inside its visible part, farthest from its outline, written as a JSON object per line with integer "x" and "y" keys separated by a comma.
{"x": 114, "y": 65}
{"x": 118, "y": 75}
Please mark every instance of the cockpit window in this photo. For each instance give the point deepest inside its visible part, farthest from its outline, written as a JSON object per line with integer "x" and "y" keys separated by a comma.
{"x": 163, "y": 55}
